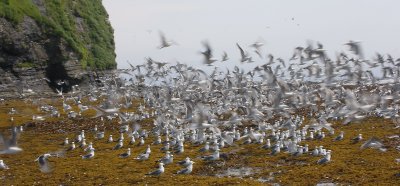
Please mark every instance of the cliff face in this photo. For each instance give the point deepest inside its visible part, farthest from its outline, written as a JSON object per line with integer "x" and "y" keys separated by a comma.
{"x": 46, "y": 41}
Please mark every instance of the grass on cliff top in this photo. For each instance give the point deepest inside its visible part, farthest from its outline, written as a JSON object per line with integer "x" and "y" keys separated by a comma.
{"x": 350, "y": 165}
{"x": 63, "y": 17}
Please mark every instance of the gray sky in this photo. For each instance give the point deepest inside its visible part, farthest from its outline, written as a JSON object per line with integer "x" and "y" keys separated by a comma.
{"x": 226, "y": 22}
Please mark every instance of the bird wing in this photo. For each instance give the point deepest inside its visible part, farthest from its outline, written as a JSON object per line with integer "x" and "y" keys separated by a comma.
{"x": 156, "y": 172}
{"x": 4, "y": 141}
{"x": 183, "y": 171}
{"x": 15, "y": 135}
{"x": 45, "y": 167}
{"x": 241, "y": 51}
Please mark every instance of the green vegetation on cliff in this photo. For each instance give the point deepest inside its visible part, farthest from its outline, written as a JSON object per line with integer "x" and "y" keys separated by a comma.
{"x": 83, "y": 24}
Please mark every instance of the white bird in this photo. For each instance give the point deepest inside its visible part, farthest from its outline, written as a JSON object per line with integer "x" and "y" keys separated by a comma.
{"x": 340, "y": 136}
{"x": 158, "y": 140}
{"x": 83, "y": 134}
{"x": 188, "y": 169}
{"x": 21, "y": 128}
{"x": 83, "y": 143}
{"x": 66, "y": 142}
{"x": 141, "y": 141}
{"x": 12, "y": 111}
{"x": 244, "y": 55}
{"x": 72, "y": 147}
{"x": 276, "y": 150}
{"x": 315, "y": 152}
{"x": 90, "y": 155}
{"x": 148, "y": 149}
{"x": 121, "y": 137}
{"x": 164, "y": 42}
{"x": 206, "y": 147}
{"x": 10, "y": 145}
{"x": 167, "y": 159}
{"x": 110, "y": 139}
{"x": 165, "y": 147}
{"x": 132, "y": 140}
{"x": 126, "y": 154}
{"x": 267, "y": 144}
{"x": 90, "y": 146}
{"x": 355, "y": 47}
{"x": 208, "y": 54}
{"x": 143, "y": 156}
{"x": 100, "y": 135}
{"x": 213, "y": 157}
{"x": 374, "y": 143}
{"x": 44, "y": 165}
{"x": 325, "y": 159}
{"x": 119, "y": 145}
{"x": 38, "y": 118}
{"x": 158, "y": 171}
{"x": 357, "y": 139}
{"x": 179, "y": 149}
{"x": 78, "y": 139}
{"x": 224, "y": 57}
{"x": 3, "y": 165}
{"x": 184, "y": 162}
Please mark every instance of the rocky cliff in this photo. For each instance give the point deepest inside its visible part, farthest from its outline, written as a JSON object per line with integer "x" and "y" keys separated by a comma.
{"x": 43, "y": 42}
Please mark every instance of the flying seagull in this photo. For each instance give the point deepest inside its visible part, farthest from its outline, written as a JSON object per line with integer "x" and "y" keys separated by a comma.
{"x": 10, "y": 145}
{"x": 164, "y": 42}
{"x": 44, "y": 165}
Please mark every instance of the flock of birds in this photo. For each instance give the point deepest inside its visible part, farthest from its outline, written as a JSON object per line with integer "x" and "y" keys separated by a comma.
{"x": 267, "y": 105}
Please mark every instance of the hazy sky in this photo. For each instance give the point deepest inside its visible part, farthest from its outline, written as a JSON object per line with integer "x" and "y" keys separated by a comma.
{"x": 282, "y": 25}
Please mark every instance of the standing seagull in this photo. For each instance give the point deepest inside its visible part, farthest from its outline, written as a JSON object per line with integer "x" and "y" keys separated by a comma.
{"x": 100, "y": 135}
{"x": 187, "y": 170}
{"x": 206, "y": 147}
{"x": 167, "y": 159}
{"x": 184, "y": 162}
{"x": 72, "y": 147}
{"x": 90, "y": 155}
{"x": 357, "y": 139}
{"x": 213, "y": 157}
{"x": 158, "y": 171}
{"x": 66, "y": 142}
{"x": 339, "y": 137}
{"x": 118, "y": 145}
{"x": 126, "y": 154}
{"x": 144, "y": 156}
{"x": 110, "y": 139}
{"x": 325, "y": 159}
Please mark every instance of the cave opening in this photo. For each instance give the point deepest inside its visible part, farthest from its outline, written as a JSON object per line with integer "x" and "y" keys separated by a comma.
{"x": 55, "y": 71}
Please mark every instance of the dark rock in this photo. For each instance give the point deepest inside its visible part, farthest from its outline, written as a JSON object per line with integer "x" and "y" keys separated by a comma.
{"x": 33, "y": 59}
